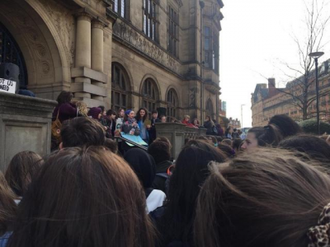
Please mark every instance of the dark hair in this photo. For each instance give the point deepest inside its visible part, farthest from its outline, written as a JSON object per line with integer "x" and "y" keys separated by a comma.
{"x": 313, "y": 146}
{"x": 264, "y": 198}
{"x": 190, "y": 172}
{"x": 111, "y": 112}
{"x": 227, "y": 131}
{"x": 237, "y": 143}
{"x": 267, "y": 136}
{"x": 8, "y": 207}
{"x": 286, "y": 125}
{"x": 160, "y": 151}
{"x": 84, "y": 197}
{"x": 154, "y": 112}
{"x": 138, "y": 116}
{"x": 227, "y": 141}
{"x": 21, "y": 169}
{"x": 228, "y": 150}
{"x": 82, "y": 131}
{"x": 64, "y": 97}
{"x": 111, "y": 145}
{"x": 102, "y": 108}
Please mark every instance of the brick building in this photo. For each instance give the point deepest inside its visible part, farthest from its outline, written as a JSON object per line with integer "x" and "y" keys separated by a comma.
{"x": 267, "y": 100}
{"x": 118, "y": 53}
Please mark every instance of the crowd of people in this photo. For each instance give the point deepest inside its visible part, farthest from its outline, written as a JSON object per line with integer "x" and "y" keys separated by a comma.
{"x": 270, "y": 188}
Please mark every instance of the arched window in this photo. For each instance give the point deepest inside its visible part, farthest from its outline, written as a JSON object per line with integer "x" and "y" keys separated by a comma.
{"x": 149, "y": 95}
{"x": 209, "y": 108}
{"x": 172, "y": 103}
{"x": 10, "y": 53}
{"x": 120, "y": 93}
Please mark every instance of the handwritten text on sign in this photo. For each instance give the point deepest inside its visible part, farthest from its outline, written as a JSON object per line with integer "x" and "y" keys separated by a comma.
{"x": 7, "y": 86}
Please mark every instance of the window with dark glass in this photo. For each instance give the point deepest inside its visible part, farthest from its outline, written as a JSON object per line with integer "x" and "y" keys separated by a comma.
{"x": 149, "y": 18}
{"x": 10, "y": 53}
{"x": 120, "y": 87}
{"x": 149, "y": 95}
{"x": 173, "y": 31}
{"x": 172, "y": 103}
{"x": 207, "y": 47}
{"x": 119, "y": 6}
{"x": 209, "y": 108}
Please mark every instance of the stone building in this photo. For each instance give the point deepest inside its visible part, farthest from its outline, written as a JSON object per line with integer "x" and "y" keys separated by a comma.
{"x": 118, "y": 53}
{"x": 267, "y": 100}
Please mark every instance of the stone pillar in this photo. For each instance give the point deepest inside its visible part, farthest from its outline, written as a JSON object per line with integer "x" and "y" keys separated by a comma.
{"x": 83, "y": 49}
{"x": 97, "y": 52}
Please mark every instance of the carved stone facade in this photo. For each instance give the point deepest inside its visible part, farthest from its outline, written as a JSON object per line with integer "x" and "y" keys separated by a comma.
{"x": 73, "y": 45}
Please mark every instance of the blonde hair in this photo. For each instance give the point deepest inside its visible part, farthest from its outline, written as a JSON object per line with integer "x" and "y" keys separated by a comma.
{"x": 82, "y": 108}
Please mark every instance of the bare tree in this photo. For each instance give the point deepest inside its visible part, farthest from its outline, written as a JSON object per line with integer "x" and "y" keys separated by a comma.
{"x": 299, "y": 89}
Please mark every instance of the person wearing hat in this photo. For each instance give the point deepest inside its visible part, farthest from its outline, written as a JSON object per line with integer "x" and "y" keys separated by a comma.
{"x": 130, "y": 125}
{"x": 95, "y": 113}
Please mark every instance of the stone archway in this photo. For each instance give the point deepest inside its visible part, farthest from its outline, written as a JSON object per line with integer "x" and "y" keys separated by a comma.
{"x": 46, "y": 67}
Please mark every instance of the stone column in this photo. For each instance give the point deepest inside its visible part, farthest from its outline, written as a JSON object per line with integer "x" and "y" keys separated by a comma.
{"x": 97, "y": 52}
{"x": 83, "y": 49}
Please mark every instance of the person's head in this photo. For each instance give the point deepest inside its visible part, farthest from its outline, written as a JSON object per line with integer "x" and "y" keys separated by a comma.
{"x": 286, "y": 125}
{"x": 84, "y": 197}
{"x": 111, "y": 145}
{"x": 191, "y": 170}
{"x": 236, "y": 144}
{"x": 82, "y": 131}
{"x": 143, "y": 165}
{"x": 21, "y": 169}
{"x": 64, "y": 97}
{"x": 207, "y": 118}
{"x": 264, "y": 198}
{"x": 95, "y": 113}
{"x": 164, "y": 139}
{"x": 8, "y": 207}
{"x": 226, "y": 149}
{"x": 235, "y": 130}
{"x": 121, "y": 113}
{"x": 154, "y": 114}
{"x": 129, "y": 114}
{"x": 186, "y": 118}
{"x": 103, "y": 111}
{"x": 142, "y": 114}
{"x": 111, "y": 114}
{"x": 82, "y": 108}
{"x": 163, "y": 119}
{"x": 261, "y": 137}
{"x": 160, "y": 151}
{"x": 229, "y": 130}
{"x": 313, "y": 146}
{"x": 227, "y": 141}
{"x": 196, "y": 122}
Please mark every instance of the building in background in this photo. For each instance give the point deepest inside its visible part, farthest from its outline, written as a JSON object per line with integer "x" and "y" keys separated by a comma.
{"x": 267, "y": 100}
{"x": 118, "y": 53}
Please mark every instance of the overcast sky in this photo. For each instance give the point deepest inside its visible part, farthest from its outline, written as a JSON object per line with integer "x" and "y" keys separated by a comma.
{"x": 255, "y": 41}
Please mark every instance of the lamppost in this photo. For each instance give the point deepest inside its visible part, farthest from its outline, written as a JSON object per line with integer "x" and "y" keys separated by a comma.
{"x": 316, "y": 56}
{"x": 242, "y": 126}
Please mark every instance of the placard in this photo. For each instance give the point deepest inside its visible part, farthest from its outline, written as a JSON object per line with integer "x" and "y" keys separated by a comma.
{"x": 7, "y": 86}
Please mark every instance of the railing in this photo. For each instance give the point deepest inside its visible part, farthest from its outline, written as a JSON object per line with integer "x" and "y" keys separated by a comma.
{"x": 130, "y": 142}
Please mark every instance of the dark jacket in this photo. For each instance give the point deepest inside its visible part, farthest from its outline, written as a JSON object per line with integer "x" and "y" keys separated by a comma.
{"x": 66, "y": 111}
{"x": 209, "y": 126}
{"x": 152, "y": 130}
{"x": 111, "y": 126}
{"x": 160, "y": 181}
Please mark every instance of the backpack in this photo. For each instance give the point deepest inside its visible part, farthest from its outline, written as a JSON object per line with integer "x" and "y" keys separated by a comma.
{"x": 56, "y": 127}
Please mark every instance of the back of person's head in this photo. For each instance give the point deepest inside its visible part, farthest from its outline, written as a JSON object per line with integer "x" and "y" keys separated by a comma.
{"x": 21, "y": 169}
{"x": 83, "y": 197}
{"x": 267, "y": 136}
{"x": 82, "y": 108}
{"x": 160, "y": 151}
{"x": 313, "y": 146}
{"x": 236, "y": 144}
{"x": 64, "y": 97}
{"x": 286, "y": 125}
{"x": 264, "y": 198}
{"x": 8, "y": 207}
{"x": 164, "y": 139}
{"x": 94, "y": 112}
{"x": 82, "y": 131}
{"x": 111, "y": 145}
{"x": 142, "y": 164}
{"x": 191, "y": 170}
{"x": 227, "y": 150}
{"x": 227, "y": 141}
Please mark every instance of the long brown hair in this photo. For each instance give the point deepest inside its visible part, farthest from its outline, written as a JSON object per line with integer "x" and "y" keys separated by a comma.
{"x": 8, "y": 206}
{"x": 265, "y": 198}
{"x": 21, "y": 169}
{"x": 84, "y": 197}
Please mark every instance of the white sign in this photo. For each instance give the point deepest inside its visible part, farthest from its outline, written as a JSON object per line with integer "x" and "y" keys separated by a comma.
{"x": 7, "y": 86}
